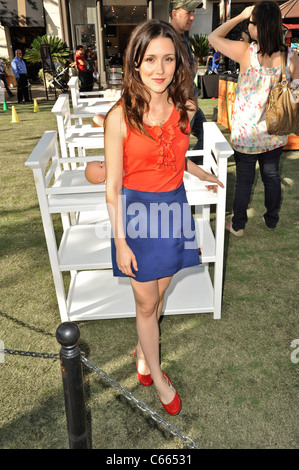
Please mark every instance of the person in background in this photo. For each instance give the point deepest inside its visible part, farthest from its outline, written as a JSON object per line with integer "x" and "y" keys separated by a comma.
{"x": 215, "y": 62}
{"x": 20, "y": 72}
{"x": 90, "y": 68}
{"x": 146, "y": 139}
{"x": 260, "y": 70}
{"x": 3, "y": 76}
{"x": 182, "y": 17}
{"x": 82, "y": 69}
{"x": 209, "y": 60}
{"x": 94, "y": 55}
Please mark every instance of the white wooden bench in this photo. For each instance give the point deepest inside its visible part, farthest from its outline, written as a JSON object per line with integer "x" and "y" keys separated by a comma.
{"x": 84, "y": 250}
{"x": 74, "y": 136}
{"x": 90, "y": 102}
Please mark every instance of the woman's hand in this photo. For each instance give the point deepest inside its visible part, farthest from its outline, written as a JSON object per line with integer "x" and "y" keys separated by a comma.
{"x": 125, "y": 260}
{"x": 213, "y": 179}
{"x": 212, "y": 187}
{"x": 201, "y": 174}
{"x": 246, "y": 13}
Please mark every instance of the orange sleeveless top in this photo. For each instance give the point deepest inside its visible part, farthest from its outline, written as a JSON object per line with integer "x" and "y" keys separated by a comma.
{"x": 156, "y": 165}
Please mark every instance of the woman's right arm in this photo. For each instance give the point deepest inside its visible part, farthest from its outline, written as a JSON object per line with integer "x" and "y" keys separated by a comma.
{"x": 115, "y": 130}
{"x": 238, "y": 51}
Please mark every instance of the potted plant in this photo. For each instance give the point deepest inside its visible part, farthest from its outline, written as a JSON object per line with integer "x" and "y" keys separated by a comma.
{"x": 60, "y": 55}
{"x": 59, "y": 51}
{"x": 200, "y": 46}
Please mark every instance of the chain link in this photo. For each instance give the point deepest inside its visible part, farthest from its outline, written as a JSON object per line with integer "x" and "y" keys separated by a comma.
{"x": 128, "y": 395}
{"x": 140, "y": 404}
{"x": 15, "y": 352}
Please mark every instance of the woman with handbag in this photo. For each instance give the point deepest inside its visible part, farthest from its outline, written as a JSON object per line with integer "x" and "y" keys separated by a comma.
{"x": 260, "y": 70}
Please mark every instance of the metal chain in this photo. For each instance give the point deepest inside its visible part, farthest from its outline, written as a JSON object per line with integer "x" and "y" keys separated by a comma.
{"x": 30, "y": 353}
{"x": 140, "y": 404}
{"x": 128, "y": 395}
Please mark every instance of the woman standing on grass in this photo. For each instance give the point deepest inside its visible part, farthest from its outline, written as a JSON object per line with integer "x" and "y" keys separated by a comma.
{"x": 260, "y": 69}
{"x": 146, "y": 139}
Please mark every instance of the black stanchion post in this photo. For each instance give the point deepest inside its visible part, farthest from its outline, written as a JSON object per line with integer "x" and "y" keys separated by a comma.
{"x": 67, "y": 335}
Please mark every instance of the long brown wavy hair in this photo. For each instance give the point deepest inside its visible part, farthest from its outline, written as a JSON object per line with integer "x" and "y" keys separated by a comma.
{"x": 135, "y": 96}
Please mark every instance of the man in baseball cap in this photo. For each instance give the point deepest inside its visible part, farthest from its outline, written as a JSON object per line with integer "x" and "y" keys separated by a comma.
{"x": 187, "y": 5}
{"x": 182, "y": 14}
{"x": 182, "y": 17}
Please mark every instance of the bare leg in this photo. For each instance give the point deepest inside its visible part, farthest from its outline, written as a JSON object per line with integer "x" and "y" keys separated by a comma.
{"x": 163, "y": 284}
{"x": 149, "y": 301}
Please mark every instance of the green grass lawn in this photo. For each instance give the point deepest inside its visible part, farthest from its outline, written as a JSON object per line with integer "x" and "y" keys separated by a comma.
{"x": 235, "y": 376}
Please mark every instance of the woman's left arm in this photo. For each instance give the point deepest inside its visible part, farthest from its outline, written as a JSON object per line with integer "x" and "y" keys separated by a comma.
{"x": 294, "y": 66}
{"x": 195, "y": 170}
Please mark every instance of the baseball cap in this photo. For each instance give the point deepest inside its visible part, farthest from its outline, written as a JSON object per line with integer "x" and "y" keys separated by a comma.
{"x": 186, "y": 5}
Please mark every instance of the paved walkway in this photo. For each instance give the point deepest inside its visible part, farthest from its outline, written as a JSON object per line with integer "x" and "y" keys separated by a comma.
{"x": 38, "y": 92}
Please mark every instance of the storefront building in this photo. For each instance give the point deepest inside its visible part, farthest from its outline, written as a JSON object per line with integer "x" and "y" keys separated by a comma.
{"x": 105, "y": 24}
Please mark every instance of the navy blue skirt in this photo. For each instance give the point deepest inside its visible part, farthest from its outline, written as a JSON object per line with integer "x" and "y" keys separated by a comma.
{"x": 160, "y": 230}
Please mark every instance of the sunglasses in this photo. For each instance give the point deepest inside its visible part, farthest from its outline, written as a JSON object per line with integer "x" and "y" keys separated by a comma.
{"x": 251, "y": 22}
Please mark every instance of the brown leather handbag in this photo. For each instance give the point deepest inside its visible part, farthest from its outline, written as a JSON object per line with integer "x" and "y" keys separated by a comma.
{"x": 282, "y": 111}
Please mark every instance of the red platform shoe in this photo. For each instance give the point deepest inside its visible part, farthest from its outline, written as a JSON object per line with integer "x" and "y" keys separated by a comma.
{"x": 175, "y": 406}
{"x": 145, "y": 380}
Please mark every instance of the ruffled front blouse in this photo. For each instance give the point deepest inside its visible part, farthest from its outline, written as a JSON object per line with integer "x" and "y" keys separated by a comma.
{"x": 157, "y": 164}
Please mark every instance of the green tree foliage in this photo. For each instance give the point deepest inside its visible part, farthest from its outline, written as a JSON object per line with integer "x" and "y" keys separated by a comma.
{"x": 59, "y": 50}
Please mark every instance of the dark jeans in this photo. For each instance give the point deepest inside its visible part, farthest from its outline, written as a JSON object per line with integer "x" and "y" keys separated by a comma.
{"x": 197, "y": 131}
{"x": 245, "y": 172}
{"x": 197, "y": 128}
{"x": 85, "y": 84}
{"x": 90, "y": 81}
{"x": 23, "y": 88}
